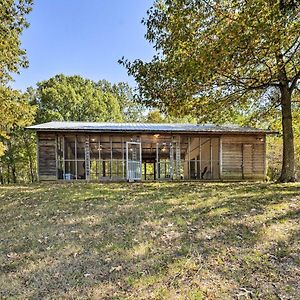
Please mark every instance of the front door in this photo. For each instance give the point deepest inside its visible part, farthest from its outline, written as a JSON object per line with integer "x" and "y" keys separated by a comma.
{"x": 133, "y": 161}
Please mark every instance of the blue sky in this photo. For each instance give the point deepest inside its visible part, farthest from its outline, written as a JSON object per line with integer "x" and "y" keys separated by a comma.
{"x": 85, "y": 38}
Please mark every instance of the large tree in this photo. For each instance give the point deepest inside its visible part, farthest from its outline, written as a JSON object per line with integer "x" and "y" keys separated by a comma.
{"x": 12, "y": 23}
{"x": 74, "y": 98}
{"x": 221, "y": 57}
{"x": 13, "y": 108}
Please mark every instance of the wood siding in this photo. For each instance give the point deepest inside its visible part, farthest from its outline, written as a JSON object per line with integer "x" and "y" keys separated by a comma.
{"x": 47, "y": 156}
{"x": 243, "y": 157}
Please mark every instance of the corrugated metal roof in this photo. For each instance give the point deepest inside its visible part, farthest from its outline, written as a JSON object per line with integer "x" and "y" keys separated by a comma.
{"x": 143, "y": 127}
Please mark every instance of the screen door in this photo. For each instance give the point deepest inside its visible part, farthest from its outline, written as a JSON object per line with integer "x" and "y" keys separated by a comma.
{"x": 133, "y": 161}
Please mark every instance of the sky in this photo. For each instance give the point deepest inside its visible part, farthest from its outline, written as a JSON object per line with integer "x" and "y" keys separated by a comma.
{"x": 83, "y": 37}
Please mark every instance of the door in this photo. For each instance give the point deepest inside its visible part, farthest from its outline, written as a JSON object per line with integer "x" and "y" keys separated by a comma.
{"x": 133, "y": 161}
{"x": 247, "y": 161}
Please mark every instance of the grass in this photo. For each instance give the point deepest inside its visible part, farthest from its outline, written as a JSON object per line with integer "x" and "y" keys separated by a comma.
{"x": 150, "y": 241}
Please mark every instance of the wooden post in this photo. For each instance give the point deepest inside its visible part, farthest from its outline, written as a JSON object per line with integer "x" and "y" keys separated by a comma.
{"x": 242, "y": 166}
{"x": 127, "y": 172}
{"x": 87, "y": 157}
{"x": 265, "y": 157}
{"x": 189, "y": 158}
{"x": 76, "y": 158}
{"x": 200, "y": 157}
{"x": 123, "y": 163}
{"x": 211, "y": 160}
{"x": 64, "y": 158}
{"x": 37, "y": 157}
{"x": 220, "y": 157}
{"x": 56, "y": 157}
{"x": 111, "y": 157}
{"x": 178, "y": 158}
{"x": 99, "y": 158}
{"x": 100, "y": 171}
{"x": 141, "y": 159}
{"x": 157, "y": 164}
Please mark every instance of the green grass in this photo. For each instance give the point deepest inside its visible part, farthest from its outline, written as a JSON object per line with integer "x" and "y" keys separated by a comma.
{"x": 150, "y": 241}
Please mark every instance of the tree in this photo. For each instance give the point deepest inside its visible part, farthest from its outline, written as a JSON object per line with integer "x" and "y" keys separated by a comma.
{"x": 12, "y": 57}
{"x": 12, "y": 23}
{"x": 221, "y": 58}
{"x": 15, "y": 112}
{"x": 154, "y": 116}
{"x": 131, "y": 109}
{"x": 14, "y": 143}
{"x": 73, "y": 98}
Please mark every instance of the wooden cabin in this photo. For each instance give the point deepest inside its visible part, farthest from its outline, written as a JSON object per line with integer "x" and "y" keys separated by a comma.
{"x": 136, "y": 151}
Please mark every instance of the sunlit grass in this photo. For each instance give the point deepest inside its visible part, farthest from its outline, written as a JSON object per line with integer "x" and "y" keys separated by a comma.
{"x": 150, "y": 241}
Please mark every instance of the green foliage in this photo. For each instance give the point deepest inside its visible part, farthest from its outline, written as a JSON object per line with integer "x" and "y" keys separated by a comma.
{"x": 131, "y": 109}
{"x": 15, "y": 112}
{"x": 216, "y": 59}
{"x": 16, "y": 147}
{"x": 12, "y": 23}
{"x": 18, "y": 164}
{"x": 13, "y": 109}
{"x": 73, "y": 98}
{"x": 154, "y": 116}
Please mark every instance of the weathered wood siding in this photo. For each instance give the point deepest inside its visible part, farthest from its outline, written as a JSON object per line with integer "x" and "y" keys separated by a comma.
{"x": 47, "y": 156}
{"x": 243, "y": 157}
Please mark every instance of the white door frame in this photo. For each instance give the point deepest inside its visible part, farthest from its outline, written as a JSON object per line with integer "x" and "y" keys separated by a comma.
{"x": 139, "y": 161}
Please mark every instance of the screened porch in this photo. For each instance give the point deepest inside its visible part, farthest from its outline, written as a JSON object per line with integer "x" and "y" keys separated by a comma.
{"x": 104, "y": 157}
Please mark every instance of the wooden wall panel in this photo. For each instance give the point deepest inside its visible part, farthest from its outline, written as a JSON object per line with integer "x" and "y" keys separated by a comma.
{"x": 231, "y": 161}
{"x": 243, "y": 157}
{"x": 47, "y": 156}
{"x": 215, "y": 158}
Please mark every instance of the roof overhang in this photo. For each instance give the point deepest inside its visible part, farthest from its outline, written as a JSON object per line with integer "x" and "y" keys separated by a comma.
{"x": 144, "y": 128}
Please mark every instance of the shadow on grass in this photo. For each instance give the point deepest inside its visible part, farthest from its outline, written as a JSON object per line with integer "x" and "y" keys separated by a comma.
{"x": 149, "y": 240}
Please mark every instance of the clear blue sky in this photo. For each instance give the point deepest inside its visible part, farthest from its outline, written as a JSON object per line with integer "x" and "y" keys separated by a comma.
{"x": 83, "y": 37}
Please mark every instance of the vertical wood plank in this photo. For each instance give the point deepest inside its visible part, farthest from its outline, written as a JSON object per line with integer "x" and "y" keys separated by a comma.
{"x": 76, "y": 158}
{"x": 220, "y": 156}
{"x": 189, "y": 158}
{"x": 211, "y": 162}
{"x": 38, "y": 156}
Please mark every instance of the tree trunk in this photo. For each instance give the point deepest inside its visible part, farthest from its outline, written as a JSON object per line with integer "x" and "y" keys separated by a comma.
{"x": 1, "y": 176}
{"x": 11, "y": 161}
{"x": 13, "y": 172}
{"x": 30, "y": 160}
{"x": 8, "y": 174}
{"x": 288, "y": 159}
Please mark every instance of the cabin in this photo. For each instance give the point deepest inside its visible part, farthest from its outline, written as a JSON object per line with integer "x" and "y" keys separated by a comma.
{"x": 141, "y": 151}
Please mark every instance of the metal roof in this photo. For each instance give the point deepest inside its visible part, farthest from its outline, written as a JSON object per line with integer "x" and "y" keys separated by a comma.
{"x": 144, "y": 127}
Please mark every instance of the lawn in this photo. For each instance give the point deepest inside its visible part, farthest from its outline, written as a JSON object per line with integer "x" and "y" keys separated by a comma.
{"x": 150, "y": 241}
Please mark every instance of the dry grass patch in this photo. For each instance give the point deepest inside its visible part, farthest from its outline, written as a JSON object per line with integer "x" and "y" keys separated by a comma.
{"x": 150, "y": 241}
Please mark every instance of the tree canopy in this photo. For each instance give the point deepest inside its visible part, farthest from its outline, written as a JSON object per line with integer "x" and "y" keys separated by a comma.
{"x": 12, "y": 23}
{"x": 74, "y": 98}
{"x": 216, "y": 59}
{"x": 14, "y": 110}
